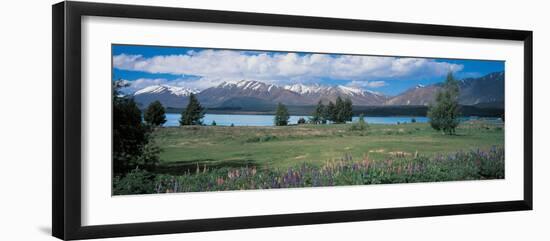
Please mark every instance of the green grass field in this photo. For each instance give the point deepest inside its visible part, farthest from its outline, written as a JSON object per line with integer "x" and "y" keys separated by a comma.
{"x": 221, "y": 158}
{"x": 288, "y": 146}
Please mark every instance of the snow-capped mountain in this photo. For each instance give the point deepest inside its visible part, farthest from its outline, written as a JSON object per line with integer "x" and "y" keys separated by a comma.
{"x": 169, "y": 96}
{"x": 247, "y": 91}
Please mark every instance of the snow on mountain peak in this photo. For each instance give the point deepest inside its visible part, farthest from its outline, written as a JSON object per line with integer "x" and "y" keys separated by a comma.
{"x": 247, "y": 85}
{"x": 351, "y": 90}
{"x": 316, "y": 88}
{"x": 175, "y": 90}
{"x": 299, "y": 88}
{"x": 374, "y": 92}
{"x": 225, "y": 84}
{"x": 304, "y": 89}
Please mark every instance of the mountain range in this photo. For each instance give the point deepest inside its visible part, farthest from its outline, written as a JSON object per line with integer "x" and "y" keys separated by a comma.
{"x": 487, "y": 90}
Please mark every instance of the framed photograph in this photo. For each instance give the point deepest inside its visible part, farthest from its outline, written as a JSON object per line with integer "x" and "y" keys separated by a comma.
{"x": 172, "y": 120}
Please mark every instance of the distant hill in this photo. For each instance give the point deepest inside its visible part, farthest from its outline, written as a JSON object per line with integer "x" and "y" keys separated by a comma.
{"x": 487, "y": 90}
{"x": 419, "y": 95}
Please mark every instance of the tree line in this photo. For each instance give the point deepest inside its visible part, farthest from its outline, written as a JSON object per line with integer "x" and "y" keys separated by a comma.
{"x": 335, "y": 112}
{"x": 338, "y": 112}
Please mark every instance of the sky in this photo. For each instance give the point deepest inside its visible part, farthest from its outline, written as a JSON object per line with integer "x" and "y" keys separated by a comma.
{"x": 201, "y": 68}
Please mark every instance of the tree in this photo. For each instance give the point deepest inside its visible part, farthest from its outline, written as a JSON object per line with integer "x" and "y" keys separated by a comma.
{"x": 193, "y": 114}
{"x": 155, "y": 114}
{"x": 281, "y": 115}
{"x": 339, "y": 114}
{"x": 348, "y": 111}
{"x": 318, "y": 115}
{"x": 330, "y": 112}
{"x": 132, "y": 145}
{"x": 443, "y": 114}
{"x": 343, "y": 110}
{"x": 214, "y": 123}
{"x": 362, "y": 123}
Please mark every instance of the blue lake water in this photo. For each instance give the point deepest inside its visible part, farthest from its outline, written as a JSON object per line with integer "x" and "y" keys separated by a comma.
{"x": 172, "y": 119}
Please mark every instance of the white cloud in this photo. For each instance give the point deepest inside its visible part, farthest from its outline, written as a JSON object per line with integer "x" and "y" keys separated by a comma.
{"x": 367, "y": 84}
{"x": 214, "y": 66}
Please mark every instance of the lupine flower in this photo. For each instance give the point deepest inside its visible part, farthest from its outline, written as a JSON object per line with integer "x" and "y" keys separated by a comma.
{"x": 466, "y": 165}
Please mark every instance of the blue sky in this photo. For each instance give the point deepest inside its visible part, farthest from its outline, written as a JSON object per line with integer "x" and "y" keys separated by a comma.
{"x": 202, "y": 68}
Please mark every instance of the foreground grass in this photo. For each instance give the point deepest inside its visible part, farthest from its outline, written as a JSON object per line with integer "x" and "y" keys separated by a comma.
{"x": 214, "y": 158}
{"x": 471, "y": 165}
{"x": 284, "y": 147}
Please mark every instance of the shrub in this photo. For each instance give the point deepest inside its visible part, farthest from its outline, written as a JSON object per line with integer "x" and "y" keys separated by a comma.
{"x": 265, "y": 138}
{"x": 135, "y": 182}
{"x": 361, "y": 125}
{"x": 489, "y": 167}
{"x": 150, "y": 156}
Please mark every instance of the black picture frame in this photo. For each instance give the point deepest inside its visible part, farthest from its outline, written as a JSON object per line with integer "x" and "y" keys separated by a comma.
{"x": 66, "y": 127}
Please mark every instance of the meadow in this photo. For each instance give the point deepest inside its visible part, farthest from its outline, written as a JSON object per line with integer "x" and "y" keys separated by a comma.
{"x": 213, "y": 158}
{"x": 287, "y": 146}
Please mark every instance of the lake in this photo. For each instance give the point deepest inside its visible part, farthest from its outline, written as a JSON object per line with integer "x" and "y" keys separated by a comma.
{"x": 172, "y": 119}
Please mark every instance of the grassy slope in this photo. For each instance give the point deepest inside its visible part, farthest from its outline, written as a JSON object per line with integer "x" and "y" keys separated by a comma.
{"x": 282, "y": 147}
